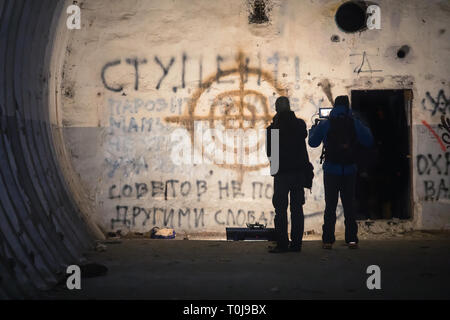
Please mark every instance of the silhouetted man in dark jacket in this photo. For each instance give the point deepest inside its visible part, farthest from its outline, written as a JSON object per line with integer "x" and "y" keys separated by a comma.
{"x": 340, "y": 135}
{"x": 289, "y": 178}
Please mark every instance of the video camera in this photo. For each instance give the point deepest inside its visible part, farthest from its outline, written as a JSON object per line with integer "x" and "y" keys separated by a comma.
{"x": 324, "y": 114}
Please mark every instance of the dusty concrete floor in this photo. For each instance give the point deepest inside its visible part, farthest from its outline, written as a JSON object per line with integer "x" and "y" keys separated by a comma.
{"x": 411, "y": 268}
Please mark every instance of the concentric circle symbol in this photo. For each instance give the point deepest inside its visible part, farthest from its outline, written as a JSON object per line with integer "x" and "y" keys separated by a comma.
{"x": 239, "y": 108}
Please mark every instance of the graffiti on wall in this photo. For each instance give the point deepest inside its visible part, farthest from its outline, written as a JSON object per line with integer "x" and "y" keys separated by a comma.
{"x": 363, "y": 65}
{"x": 445, "y": 126}
{"x": 135, "y": 123}
{"x": 434, "y": 134}
{"x": 176, "y": 189}
{"x": 131, "y": 215}
{"x": 433, "y": 171}
{"x": 436, "y": 105}
{"x": 239, "y": 108}
{"x": 169, "y": 208}
{"x": 239, "y": 94}
{"x": 191, "y": 218}
{"x": 164, "y": 66}
{"x": 433, "y": 164}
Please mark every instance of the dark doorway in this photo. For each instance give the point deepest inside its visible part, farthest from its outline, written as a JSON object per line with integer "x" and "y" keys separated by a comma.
{"x": 383, "y": 185}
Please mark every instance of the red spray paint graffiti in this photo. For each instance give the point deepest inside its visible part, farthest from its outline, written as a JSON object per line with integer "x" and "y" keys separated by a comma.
{"x": 434, "y": 134}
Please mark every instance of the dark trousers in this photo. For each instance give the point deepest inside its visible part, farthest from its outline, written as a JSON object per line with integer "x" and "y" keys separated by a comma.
{"x": 283, "y": 185}
{"x": 345, "y": 186}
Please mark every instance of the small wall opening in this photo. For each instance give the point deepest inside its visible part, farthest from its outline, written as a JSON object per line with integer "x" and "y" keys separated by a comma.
{"x": 335, "y": 38}
{"x": 258, "y": 14}
{"x": 383, "y": 186}
{"x": 351, "y": 16}
{"x": 402, "y": 52}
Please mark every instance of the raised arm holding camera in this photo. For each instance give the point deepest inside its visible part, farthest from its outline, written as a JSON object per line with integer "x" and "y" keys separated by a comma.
{"x": 340, "y": 134}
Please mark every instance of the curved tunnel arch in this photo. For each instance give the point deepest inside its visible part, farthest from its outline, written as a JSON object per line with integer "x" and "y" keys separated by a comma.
{"x": 42, "y": 229}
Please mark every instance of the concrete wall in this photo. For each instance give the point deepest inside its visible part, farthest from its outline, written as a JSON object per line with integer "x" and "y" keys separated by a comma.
{"x": 137, "y": 71}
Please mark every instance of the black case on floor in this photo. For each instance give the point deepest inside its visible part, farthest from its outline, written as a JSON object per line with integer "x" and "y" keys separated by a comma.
{"x": 237, "y": 234}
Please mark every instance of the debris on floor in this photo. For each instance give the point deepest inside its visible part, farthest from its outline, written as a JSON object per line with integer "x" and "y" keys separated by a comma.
{"x": 383, "y": 229}
{"x": 162, "y": 233}
{"x": 114, "y": 234}
{"x": 113, "y": 237}
{"x": 100, "y": 247}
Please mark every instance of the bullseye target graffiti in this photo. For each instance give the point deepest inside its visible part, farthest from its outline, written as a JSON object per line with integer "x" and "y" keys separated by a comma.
{"x": 233, "y": 99}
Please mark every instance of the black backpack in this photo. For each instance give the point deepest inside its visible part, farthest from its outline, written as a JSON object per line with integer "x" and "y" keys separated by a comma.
{"x": 341, "y": 141}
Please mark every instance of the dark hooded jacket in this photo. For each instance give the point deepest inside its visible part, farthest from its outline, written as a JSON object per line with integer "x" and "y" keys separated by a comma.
{"x": 293, "y": 154}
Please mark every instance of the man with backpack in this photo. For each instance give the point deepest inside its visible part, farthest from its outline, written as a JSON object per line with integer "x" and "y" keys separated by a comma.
{"x": 293, "y": 172}
{"x": 340, "y": 134}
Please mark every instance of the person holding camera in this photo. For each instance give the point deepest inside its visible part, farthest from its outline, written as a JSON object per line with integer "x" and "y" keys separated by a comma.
{"x": 340, "y": 134}
{"x": 292, "y": 172}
